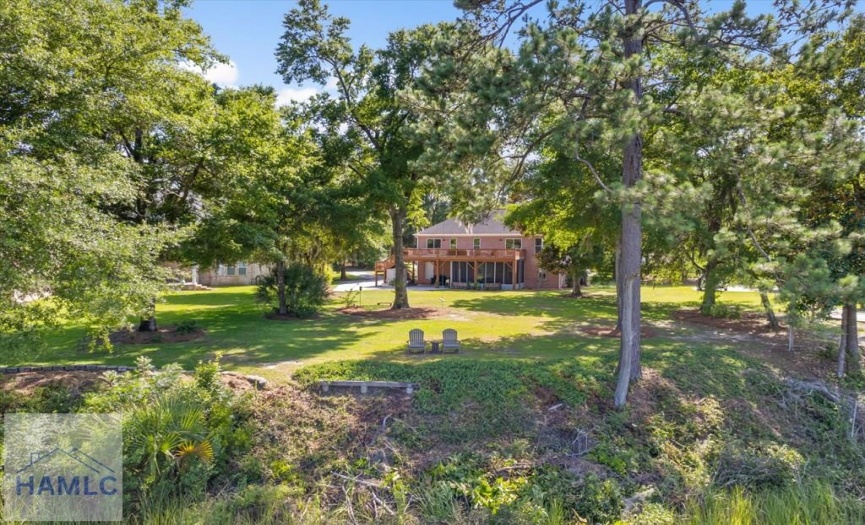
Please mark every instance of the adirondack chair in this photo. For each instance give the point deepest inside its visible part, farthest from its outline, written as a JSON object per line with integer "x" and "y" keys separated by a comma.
{"x": 416, "y": 344}
{"x": 450, "y": 341}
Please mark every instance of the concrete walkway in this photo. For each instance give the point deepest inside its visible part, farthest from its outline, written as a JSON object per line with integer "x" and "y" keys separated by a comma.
{"x": 366, "y": 280}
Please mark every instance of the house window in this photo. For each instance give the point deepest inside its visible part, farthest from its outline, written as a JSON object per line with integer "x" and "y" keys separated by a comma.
{"x": 539, "y": 244}
{"x": 241, "y": 268}
{"x": 476, "y": 243}
{"x": 513, "y": 244}
{"x": 542, "y": 275}
{"x": 433, "y": 243}
{"x": 220, "y": 269}
{"x": 229, "y": 270}
{"x": 453, "y": 243}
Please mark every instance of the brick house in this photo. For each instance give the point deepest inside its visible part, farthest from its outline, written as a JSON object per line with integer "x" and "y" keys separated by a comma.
{"x": 488, "y": 255}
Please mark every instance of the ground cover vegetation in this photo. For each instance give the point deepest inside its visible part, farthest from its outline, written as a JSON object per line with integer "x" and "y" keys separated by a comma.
{"x": 648, "y": 142}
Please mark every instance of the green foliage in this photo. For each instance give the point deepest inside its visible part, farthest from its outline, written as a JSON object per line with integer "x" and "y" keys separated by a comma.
{"x": 600, "y": 501}
{"x": 653, "y": 514}
{"x": 351, "y": 298}
{"x": 48, "y": 399}
{"x": 498, "y": 387}
{"x": 91, "y": 200}
{"x": 178, "y": 434}
{"x": 804, "y": 502}
{"x": 304, "y": 292}
{"x": 187, "y": 326}
{"x": 544, "y": 495}
{"x": 377, "y": 145}
{"x": 725, "y": 311}
{"x": 775, "y": 467}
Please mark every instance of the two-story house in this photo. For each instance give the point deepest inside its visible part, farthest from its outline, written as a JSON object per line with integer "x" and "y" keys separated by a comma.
{"x": 490, "y": 254}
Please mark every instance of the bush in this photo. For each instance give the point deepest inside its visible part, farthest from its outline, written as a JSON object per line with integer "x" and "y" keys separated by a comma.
{"x": 178, "y": 433}
{"x": 600, "y": 501}
{"x": 726, "y": 311}
{"x": 187, "y": 326}
{"x": 305, "y": 290}
{"x": 776, "y": 467}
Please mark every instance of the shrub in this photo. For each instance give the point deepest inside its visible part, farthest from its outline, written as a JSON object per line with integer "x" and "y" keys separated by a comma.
{"x": 726, "y": 311}
{"x": 773, "y": 468}
{"x": 305, "y": 290}
{"x": 187, "y": 326}
{"x": 351, "y": 298}
{"x": 178, "y": 434}
{"x": 600, "y": 501}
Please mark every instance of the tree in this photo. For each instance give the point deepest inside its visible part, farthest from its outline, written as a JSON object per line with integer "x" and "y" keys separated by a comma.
{"x": 68, "y": 189}
{"x": 557, "y": 199}
{"x": 279, "y": 207}
{"x": 581, "y": 72}
{"x": 300, "y": 290}
{"x": 375, "y": 122}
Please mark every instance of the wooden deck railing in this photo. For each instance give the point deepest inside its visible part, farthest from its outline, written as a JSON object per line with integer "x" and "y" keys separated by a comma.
{"x": 448, "y": 253}
{"x": 381, "y": 266}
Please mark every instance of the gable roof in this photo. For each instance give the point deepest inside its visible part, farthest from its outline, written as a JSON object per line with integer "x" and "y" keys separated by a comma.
{"x": 493, "y": 225}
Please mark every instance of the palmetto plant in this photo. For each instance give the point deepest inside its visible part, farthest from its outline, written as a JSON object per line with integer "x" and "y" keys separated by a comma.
{"x": 168, "y": 433}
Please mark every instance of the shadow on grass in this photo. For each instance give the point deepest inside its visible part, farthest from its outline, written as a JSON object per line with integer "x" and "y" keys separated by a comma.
{"x": 546, "y": 304}
{"x": 239, "y": 331}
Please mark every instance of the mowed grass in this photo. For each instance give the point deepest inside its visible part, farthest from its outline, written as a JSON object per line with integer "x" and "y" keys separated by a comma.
{"x": 491, "y": 325}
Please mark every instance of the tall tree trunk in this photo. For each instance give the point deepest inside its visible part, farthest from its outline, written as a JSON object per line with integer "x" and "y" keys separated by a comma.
{"x": 282, "y": 309}
{"x": 577, "y": 291}
{"x": 617, "y": 270}
{"x": 842, "y": 347}
{"x": 770, "y": 313}
{"x": 148, "y": 324}
{"x": 710, "y": 287}
{"x": 854, "y": 359}
{"x": 400, "y": 289}
{"x": 632, "y": 234}
{"x": 342, "y": 274}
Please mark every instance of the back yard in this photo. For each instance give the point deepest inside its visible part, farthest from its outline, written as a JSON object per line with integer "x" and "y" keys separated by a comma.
{"x": 491, "y": 325}
{"x": 517, "y": 428}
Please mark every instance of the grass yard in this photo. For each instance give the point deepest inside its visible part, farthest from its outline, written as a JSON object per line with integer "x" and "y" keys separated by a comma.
{"x": 491, "y": 325}
{"x": 518, "y": 428}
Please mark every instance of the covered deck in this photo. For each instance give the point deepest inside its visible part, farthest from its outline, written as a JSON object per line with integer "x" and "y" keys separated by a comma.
{"x": 460, "y": 268}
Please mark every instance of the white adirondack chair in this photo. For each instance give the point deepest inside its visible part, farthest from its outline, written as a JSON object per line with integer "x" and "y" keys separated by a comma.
{"x": 416, "y": 344}
{"x": 450, "y": 341}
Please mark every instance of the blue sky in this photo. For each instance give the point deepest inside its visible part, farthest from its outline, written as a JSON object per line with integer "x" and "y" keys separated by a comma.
{"x": 249, "y": 30}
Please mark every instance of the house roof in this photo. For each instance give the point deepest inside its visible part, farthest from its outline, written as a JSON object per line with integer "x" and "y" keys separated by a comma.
{"x": 493, "y": 225}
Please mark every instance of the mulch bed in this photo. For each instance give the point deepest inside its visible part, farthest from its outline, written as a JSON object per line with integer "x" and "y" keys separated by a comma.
{"x": 165, "y": 334}
{"x": 27, "y": 382}
{"x": 749, "y": 322}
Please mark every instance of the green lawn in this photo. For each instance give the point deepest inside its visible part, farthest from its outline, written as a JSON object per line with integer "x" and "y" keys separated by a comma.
{"x": 491, "y": 325}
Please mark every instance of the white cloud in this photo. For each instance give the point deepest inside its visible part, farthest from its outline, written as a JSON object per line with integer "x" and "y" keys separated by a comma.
{"x": 301, "y": 94}
{"x": 223, "y": 74}
{"x": 287, "y": 95}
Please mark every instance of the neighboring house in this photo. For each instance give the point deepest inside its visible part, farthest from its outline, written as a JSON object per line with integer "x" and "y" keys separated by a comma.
{"x": 236, "y": 274}
{"x": 470, "y": 255}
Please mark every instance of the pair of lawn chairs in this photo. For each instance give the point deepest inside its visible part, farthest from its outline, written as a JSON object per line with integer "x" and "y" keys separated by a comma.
{"x": 417, "y": 344}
